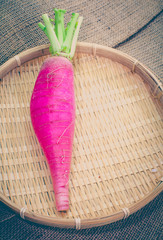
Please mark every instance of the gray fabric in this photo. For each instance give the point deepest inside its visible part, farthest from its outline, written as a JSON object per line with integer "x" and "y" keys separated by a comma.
{"x": 105, "y": 22}
{"x": 146, "y": 46}
{"x": 133, "y": 26}
{"x": 145, "y": 224}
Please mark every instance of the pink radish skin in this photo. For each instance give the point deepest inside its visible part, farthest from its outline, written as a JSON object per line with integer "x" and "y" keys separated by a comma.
{"x": 52, "y": 109}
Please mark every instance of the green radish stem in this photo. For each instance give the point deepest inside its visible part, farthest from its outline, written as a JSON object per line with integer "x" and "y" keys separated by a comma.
{"x": 59, "y": 25}
{"x": 74, "y": 41}
{"x": 43, "y": 28}
{"x": 63, "y": 41}
{"x": 51, "y": 34}
{"x": 69, "y": 33}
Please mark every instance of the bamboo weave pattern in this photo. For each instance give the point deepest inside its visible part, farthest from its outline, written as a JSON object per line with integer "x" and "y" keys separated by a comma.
{"x": 117, "y": 155}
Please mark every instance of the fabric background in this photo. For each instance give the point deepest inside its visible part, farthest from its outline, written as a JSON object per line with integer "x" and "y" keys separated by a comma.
{"x": 145, "y": 224}
{"x": 111, "y": 23}
{"x": 132, "y": 26}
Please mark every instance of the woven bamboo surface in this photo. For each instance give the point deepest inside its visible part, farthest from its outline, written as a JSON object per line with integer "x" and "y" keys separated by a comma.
{"x": 117, "y": 154}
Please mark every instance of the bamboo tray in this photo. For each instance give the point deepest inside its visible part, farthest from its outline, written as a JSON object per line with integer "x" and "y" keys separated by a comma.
{"x": 117, "y": 157}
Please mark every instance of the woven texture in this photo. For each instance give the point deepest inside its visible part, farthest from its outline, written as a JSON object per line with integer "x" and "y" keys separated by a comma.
{"x": 105, "y": 22}
{"x": 120, "y": 24}
{"x": 117, "y": 157}
{"x": 146, "y": 224}
{"x": 149, "y": 43}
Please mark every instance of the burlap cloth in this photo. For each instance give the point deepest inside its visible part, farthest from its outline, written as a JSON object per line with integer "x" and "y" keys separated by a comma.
{"x": 132, "y": 26}
{"x": 111, "y": 23}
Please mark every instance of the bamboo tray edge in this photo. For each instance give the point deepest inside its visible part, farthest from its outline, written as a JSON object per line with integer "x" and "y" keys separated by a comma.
{"x": 135, "y": 66}
{"x": 84, "y": 223}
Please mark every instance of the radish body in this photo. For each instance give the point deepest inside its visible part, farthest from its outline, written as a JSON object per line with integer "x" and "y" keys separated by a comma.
{"x": 52, "y": 105}
{"x": 52, "y": 109}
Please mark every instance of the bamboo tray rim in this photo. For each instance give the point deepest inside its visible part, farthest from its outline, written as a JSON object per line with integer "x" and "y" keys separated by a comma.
{"x": 84, "y": 223}
{"x": 135, "y": 66}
